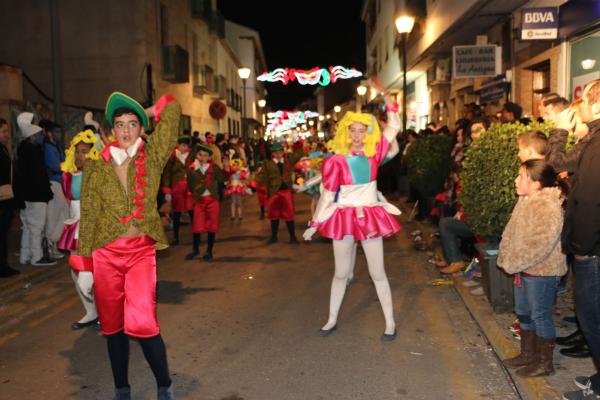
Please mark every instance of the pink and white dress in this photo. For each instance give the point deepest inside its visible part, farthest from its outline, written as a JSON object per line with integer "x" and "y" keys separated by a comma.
{"x": 350, "y": 203}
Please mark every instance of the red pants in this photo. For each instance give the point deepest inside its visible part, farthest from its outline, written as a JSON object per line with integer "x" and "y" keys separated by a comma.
{"x": 281, "y": 205}
{"x": 206, "y": 215}
{"x": 261, "y": 193}
{"x": 181, "y": 198}
{"x": 81, "y": 263}
{"x": 125, "y": 286}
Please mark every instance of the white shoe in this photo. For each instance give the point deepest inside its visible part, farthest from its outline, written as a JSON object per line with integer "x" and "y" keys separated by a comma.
{"x": 57, "y": 255}
{"x": 478, "y": 291}
{"x": 470, "y": 283}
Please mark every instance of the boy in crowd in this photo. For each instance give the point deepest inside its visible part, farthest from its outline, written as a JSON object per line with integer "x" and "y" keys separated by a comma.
{"x": 532, "y": 145}
{"x": 276, "y": 175}
{"x": 204, "y": 177}
{"x": 174, "y": 183}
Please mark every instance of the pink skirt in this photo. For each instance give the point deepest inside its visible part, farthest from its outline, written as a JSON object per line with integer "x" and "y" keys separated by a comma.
{"x": 68, "y": 241}
{"x": 241, "y": 190}
{"x": 374, "y": 223}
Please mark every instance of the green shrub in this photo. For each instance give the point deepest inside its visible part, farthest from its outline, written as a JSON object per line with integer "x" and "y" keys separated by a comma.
{"x": 490, "y": 167}
{"x": 428, "y": 162}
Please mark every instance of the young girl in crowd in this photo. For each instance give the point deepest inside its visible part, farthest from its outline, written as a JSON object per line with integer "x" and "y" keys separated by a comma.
{"x": 237, "y": 187}
{"x": 531, "y": 249}
{"x": 83, "y": 147}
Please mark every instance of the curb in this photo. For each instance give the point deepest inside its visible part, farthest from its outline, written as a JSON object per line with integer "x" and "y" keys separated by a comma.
{"x": 532, "y": 388}
{"x": 482, "y": 313}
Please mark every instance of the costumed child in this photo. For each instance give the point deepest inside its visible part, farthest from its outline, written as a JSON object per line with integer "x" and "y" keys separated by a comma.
{"x": 121, "y": 230}
{"x": 261, "y": 192}
{"x": 531, "y": 249}
{"x": 175, "y": 186}
{"x": 204, "y": 177}
{"x": 276, "y": 175}
{"x": 351, "y": 209}
{"x": 310, "y": 167}
{"x": 236, "y": 186}
{"x": 83, "y": 147}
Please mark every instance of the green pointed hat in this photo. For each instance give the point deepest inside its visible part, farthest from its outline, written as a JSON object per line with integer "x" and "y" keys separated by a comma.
{"x": 118, "y": 100}
{"x": 276, "y": 146}
{"x": 203, "y": 147}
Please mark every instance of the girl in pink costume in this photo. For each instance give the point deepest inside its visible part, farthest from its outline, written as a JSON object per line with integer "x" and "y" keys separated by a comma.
{"x": 237, "y": 187}
{"x": 351, "y": 209}
{"x": 83, "y": 147}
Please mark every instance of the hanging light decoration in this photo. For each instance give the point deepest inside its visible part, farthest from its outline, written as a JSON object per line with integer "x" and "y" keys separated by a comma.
{"x": 312, "y": 76}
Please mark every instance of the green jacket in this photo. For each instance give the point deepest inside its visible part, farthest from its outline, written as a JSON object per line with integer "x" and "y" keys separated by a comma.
{"x": 104, "y": 203}
{"x": 174, "y": 171}
{"x": 270, "y": 176}
{"x": 198, "y": 182}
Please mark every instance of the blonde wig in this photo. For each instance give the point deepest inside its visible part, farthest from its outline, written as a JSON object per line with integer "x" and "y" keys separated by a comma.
{"x": 88, "y": 137}
{"x": 341, "y": 141}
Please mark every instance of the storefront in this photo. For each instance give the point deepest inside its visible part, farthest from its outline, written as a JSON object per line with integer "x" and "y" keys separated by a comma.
{"x": 580, "y": 24}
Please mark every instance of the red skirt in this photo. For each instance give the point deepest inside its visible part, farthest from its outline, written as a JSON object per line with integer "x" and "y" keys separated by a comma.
{"x": 206, "y": 215}
{"x": 181, "y": 197}
{"x": 281, "y": 205}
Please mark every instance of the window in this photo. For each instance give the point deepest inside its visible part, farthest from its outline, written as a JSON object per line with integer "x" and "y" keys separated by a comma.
{"x": 164, "y": 25}
{"x": 196, "y": 76}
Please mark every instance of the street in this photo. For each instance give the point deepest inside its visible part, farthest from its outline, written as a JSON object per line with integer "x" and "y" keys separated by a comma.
{"x": 245, "y": 326}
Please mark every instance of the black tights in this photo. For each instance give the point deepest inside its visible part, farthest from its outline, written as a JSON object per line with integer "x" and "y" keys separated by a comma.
{"x": 154, "y": 352}
{"x": 210, "y": 242}
{"x": 177, "y": 222}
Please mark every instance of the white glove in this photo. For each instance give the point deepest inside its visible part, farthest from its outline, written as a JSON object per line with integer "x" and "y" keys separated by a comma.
{"x": 298, "y": 188}
{"x": 307, "y": 235}
{"x": 168, "y": 197}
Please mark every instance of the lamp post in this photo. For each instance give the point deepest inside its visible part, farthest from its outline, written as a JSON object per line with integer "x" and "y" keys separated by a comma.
{"x": 404, "y": 25}
{"x": 361, "y": 90}
{"x": 244, "y": 73}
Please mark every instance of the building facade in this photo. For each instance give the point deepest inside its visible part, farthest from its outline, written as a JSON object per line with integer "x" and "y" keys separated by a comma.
{"x": 142, "y": 48}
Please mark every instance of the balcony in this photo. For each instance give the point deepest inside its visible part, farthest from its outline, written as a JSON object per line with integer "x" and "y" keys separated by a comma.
{"x": 202, "y": 9}
{"x": 217, "y": 24}
{"x": 175, "y": 64}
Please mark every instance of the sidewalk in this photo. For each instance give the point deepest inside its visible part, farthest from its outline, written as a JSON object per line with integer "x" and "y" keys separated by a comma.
{"x": 496, "y": 329}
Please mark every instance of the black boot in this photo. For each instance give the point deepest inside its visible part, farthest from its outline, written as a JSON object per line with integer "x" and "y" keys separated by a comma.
{"x": 274, "y": 229}
{"x": 579, "y": 350}
{"x": 291, "y": 226}
{"x": 571, "y": 339}
{"x": 195, "y": 247}
{"x": 209, "y": 250}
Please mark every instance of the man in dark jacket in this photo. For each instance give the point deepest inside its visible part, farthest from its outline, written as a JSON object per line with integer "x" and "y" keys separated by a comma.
{"x": 32, "y": 186}
{"x": 581, "y": 237}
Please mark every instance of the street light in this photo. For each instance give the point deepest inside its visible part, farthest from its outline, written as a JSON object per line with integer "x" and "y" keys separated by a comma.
{"x": 337, "y": 109}
{"x": 361, "y": 90}
{"x": 262, "y": 103}
{"x": 404, "y": 24}
{"x": 244, "y": 74}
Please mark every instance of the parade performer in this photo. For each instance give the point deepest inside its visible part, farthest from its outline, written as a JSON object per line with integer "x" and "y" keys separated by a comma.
{"x": 261, "y": 193}
{"x": 236, "y": 186}
{"x": 82, "y": 148}
{"x": 351, "y": 209}
{"x": 204, "y": 177}
{"x": 121, "y": 230}
{"x": 174, "y": 183}
{"x": 310, "y": 168}
{"x": 276, "y": 175}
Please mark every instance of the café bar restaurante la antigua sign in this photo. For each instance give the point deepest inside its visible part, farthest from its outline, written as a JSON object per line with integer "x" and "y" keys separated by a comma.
{"x": 475, "y": 61}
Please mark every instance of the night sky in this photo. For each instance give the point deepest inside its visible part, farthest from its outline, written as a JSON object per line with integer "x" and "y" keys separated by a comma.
{"x": 302, "y": 35}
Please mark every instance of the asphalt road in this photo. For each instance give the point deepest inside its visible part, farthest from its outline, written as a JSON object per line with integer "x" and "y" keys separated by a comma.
{"x": 245, "y": 326}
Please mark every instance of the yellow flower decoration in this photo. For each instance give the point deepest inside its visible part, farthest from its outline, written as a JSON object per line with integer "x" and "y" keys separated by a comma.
{"x": 236, "y": 163}
{"x": 341, "y": 141}
{"x": 82, "y": 137}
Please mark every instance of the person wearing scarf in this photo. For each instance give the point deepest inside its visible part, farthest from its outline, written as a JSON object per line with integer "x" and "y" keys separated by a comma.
{"x": 120, "y": 229}
{"x": 204, "y": 177}
{"x": 276, "y": 175}
{"x": 174, "y": 183}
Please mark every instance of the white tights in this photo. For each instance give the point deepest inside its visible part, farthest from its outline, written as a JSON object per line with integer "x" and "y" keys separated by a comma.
{"x": 84, "y": 283}
{"x": 344, "y": 252}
